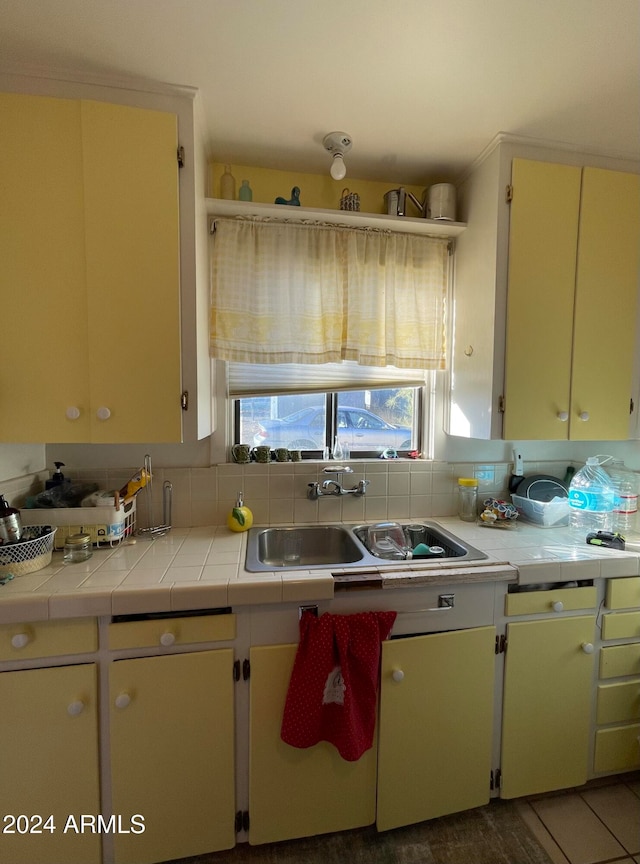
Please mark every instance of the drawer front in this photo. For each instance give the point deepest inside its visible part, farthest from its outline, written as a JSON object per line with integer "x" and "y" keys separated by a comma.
{"x": 165, "y": 632}
{"x": 623, "y": 593}
{"x": 618, "y": 660}
{"x": 618, "y": 703}
{"x": 621, "y": 625}
{"x": 617, "y": 749}
{"x": 48, "y": 639}
{"x": 532, "y": 602}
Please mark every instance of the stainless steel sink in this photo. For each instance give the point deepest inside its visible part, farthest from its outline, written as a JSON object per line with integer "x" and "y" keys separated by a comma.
{"x": 302, "y": 547}
{"x": 306, "y": 547}
{"x": 431, "y": 535}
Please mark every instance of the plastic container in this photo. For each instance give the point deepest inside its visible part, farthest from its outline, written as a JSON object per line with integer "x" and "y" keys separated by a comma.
{"x": 546, "y": 514}
{"x": 625, "y": 503}
{"x": 107, "y": 526}
{"x": 591, "y": 499}
{"x": 467, "y": 499}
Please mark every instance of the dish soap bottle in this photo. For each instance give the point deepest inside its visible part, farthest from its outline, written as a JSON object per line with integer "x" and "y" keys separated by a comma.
{"x": 228, "y": 185}
{"x": 240, "y": 518}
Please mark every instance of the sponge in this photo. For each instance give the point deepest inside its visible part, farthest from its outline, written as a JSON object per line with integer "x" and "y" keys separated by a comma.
{"x": 421, "y": 549}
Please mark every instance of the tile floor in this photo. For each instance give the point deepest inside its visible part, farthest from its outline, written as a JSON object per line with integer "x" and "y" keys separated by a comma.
{"x": 591, "y": 825}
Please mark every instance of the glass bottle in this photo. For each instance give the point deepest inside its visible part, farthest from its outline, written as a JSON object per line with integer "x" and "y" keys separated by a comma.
{"x": 467, "y": 499}
{"x": 228, "y": 185}
{"x": 245, "y": 193}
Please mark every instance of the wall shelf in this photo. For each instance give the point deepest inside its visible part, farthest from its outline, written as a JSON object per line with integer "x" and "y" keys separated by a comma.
{"x": 404, "y": 224}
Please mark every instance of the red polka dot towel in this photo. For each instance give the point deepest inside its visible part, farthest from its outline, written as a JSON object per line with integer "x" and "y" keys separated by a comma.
{"x": 333, "y": 688}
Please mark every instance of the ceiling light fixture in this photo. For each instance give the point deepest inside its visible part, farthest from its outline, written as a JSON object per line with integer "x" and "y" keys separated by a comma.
{"x": 337, "y": 143}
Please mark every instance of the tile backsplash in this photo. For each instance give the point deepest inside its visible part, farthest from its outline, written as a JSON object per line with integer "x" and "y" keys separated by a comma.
{"x": 277, "y": 493}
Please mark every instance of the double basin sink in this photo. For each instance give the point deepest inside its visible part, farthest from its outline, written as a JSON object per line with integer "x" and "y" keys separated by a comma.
{"x": 321, "y": 546}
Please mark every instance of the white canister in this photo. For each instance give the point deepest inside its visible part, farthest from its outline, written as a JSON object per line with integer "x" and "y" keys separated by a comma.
{"x": 441, "y": 202}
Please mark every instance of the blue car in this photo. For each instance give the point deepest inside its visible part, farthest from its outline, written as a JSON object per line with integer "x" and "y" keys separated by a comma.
{"x": 357, "y": 427}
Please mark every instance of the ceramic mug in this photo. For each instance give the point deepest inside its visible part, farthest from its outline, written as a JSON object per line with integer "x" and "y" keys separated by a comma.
{"x": 282, "y": 454}
{"x": 295, "y": 455}
{"x": 262, "y": 453}
{"x": 241, "y": 453}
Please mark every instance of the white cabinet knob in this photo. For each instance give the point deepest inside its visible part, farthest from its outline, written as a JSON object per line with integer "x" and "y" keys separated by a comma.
{"x": 558, "y": 606}
{"x": 587, "y": 647}
{"x": 20, "y": 640}
{"x": 122, "y": 700}
{"x": 103, "y": 413}
{"x": 563, "y": 416}
{"x": 397, "y": 675}
{"x": 76, "y": 707}
{"x": 584, "y": 416}
{"x": 72, "y": 412}
{"x": 167, "y": 639}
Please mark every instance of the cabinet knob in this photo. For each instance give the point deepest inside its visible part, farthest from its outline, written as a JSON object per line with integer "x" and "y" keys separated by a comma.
{"x": 76, "y": 707}
{"x": 584, "y": 416}
{"x": 20, "y": 640}
{"x": 557, "y": 606}
{"x": 167, "y": 639}
{"x": 563, "y": 416}
{"x": 103, "y": 413}
{"x": 397, "y": 675}
{"x": 123, "y": 700}
{"x": 587, "y": 647}
{"x": 72, "y": 412}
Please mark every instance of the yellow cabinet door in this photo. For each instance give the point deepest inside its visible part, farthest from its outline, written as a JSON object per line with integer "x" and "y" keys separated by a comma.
{"x": 543, "y": 237}
{"x": 49, "y": 766}
{"x": 172, "y": 754}
{"x": 547, "y": 705}
{"x": 42, "y": 277}
{"x": 298, "y": 792}
{"x": 130, "y": 181}
{"x": 606, "y": 304}
{"x": 436, "y": 722}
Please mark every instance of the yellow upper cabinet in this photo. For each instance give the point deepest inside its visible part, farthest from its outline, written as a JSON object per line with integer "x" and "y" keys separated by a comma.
{"x": 571, "y": 302}
{"x": 90, "y": 245}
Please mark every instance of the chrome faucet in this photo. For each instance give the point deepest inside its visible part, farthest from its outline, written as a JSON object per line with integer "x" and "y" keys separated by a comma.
{"x": 334, "y": 487}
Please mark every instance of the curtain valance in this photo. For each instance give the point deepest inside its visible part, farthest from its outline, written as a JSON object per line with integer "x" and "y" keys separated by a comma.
{"x": 287, "y": 292}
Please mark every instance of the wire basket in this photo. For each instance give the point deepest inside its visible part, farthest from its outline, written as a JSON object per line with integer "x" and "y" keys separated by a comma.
{"x": 28, "y": 556}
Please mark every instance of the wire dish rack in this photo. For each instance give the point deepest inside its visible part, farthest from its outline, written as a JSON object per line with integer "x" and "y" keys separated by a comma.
{"x": 27, "y": 556}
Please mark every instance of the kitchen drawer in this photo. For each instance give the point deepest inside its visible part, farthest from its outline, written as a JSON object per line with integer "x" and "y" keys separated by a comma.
{"x": 621, "y": 625}
{"x": 48, "y": 639}
{"x": 623, "y": 593}
{"x": 532, "y": 602}
{"x": 619, "y": 702}
{"x": 165, "y": 632}
{"x": 617, "y": 749}
{"x": 618, "y": 660}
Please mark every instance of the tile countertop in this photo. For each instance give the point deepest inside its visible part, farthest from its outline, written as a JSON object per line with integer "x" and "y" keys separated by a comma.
{"x": 201, "y": 568}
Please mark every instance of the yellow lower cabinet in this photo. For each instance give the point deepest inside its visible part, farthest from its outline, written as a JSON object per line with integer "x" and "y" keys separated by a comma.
{"x": 172, "y": 755}
{"x": 49, "y": 766}
{"x": 617, "y": 749}
{"x": 298, "y": 792}
{"x": 436, "y": 721}
{"x": 547, "y": 704}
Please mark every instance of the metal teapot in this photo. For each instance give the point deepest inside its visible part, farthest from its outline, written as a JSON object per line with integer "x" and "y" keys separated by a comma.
{"x": 396, "y": 202}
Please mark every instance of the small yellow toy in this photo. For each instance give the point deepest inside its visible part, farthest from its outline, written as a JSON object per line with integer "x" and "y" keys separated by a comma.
{"x": 240, "y": 518}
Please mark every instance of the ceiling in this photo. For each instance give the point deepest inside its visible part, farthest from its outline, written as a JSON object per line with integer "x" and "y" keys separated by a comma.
{"x": 422, "y": 86}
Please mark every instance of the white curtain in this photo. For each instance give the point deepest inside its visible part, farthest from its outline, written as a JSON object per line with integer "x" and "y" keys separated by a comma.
{"x": 285, "y": 292}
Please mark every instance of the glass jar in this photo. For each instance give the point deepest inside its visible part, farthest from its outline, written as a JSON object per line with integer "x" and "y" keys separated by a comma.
{"x": 467, "y": 499}
{"x": 77, "y": 547}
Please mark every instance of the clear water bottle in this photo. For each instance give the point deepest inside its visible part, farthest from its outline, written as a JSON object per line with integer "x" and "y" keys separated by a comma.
{"x": 591, "y": 499}
{"x": 625, "y": 502}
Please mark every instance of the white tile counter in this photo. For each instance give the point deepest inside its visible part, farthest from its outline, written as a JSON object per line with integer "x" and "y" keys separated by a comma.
{"x": 202, "y": 568}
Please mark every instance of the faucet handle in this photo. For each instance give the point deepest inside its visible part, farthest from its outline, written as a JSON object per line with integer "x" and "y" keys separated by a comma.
{"x": 339, "y": 469}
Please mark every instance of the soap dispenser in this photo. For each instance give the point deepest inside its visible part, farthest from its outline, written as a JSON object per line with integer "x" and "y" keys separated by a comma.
{"x": 240, "y": 518}
{"x": 57, "y": 478}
